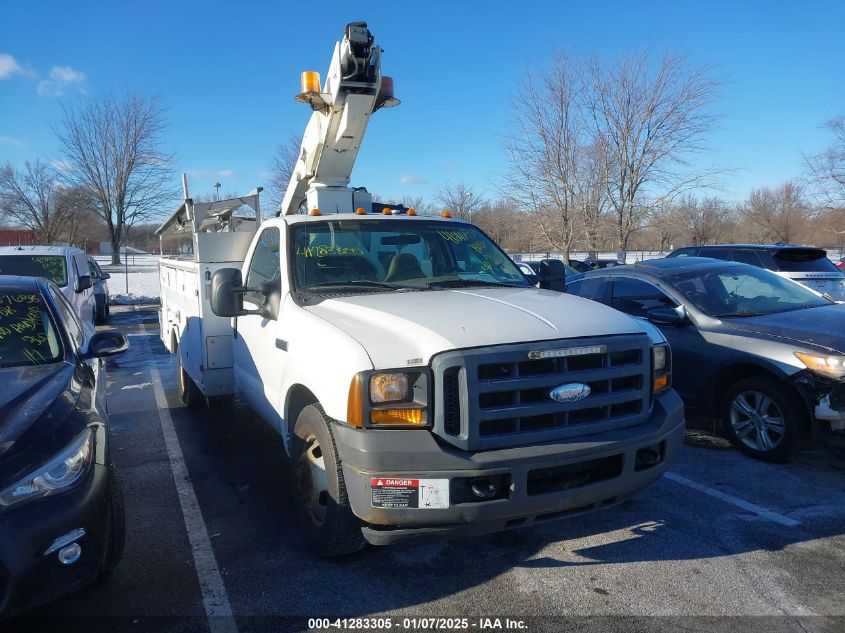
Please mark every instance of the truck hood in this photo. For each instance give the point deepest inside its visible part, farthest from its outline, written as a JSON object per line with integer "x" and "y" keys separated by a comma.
{"x": 819, "y": 327}
{"x": 409, "y": 329}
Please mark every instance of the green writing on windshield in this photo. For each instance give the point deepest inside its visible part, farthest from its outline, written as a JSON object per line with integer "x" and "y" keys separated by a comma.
{"x": 323, "y": 251}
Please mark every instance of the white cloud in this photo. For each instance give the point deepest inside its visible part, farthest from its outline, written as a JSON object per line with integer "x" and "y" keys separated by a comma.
{"x": 411, "y": 179}
{"x": 212, "y": 173}
{"x": 9, "y": 66}
{"x": 8, "y": 140}
{"x": 61, "y": 77}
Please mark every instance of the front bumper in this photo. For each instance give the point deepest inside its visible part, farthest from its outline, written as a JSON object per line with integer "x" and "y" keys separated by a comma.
{"x": 825, "y": 398}
{"x": 28, "y": 578}
{"x": 408, "y": 454}
{"x": 831, "y": 408}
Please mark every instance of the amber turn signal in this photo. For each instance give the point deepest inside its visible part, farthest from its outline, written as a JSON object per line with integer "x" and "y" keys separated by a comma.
{"x": 398, "y": 417}
{"x": 661, "y": 382}
{"x": 355, "y": 405}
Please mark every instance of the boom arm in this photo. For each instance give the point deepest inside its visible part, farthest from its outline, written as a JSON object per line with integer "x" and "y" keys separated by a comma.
{"x": 354, "y": 89}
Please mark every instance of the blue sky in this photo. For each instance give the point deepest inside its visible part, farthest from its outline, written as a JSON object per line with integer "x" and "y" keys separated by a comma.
{"x": 228, "y": 72}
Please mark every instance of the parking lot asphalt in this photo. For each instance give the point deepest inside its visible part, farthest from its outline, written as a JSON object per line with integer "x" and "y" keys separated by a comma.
{"x": 720, "y": 542}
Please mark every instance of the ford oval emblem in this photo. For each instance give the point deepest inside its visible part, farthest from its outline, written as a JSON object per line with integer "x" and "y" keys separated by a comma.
{"x": 571, "y": 392}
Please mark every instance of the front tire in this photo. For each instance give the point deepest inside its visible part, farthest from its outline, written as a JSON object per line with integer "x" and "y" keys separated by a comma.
{"x": 117, "y": 524}
{"x": 319, "y": 491}
{"x": 189, "y": 393}
{"x": 763, "y": 418}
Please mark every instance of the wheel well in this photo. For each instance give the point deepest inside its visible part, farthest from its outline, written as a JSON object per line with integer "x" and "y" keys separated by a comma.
{"x": 174, "y": 341}
{"x": 299, "y": 397}
{"x": 740, "y": 371}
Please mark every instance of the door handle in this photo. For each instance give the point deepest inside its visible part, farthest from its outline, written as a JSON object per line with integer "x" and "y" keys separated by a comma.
{"x": 282, "y": 345}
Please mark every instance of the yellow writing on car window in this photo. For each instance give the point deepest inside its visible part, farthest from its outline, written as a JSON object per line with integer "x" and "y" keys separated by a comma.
{"x": 28, "y": 322}
{"x": 34, "y": 356}
{"x": 53, "y": 266}
{"x": 18, "y": 298}
{"x": 323, "y": 251}
{"x": 457, "y": 237}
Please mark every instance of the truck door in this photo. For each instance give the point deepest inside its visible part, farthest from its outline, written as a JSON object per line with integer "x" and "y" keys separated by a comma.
{"x": 258, "y": 363}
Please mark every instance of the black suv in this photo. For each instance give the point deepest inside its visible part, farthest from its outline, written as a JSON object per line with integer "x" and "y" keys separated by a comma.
{"x": 805, "y": 264}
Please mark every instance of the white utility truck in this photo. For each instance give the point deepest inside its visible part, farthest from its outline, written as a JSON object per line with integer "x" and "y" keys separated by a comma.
{"x": 421, "y": 385}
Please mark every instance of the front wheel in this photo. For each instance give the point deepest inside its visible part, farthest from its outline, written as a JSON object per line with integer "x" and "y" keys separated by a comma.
{"x": 763, "y": 418}
{"x": 117, "y": 524}
{"x": 189, "y": 393}
{"x": 319, "y": 491}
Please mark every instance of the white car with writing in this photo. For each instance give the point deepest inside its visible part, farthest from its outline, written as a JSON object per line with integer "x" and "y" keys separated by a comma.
{"x": 65, "y": 266}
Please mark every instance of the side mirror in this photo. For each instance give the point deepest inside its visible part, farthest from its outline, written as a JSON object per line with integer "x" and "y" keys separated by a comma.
{"x": 104, "y": 344}
{"x": 668, "y": 316}
{"x": 227, "y": 294}
{"x": 104, "y": 276}
{"x": 84, "y": 283}
{"x": 552, "y": 275}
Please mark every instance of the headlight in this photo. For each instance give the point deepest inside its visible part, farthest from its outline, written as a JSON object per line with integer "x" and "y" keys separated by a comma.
{"x": 57, "y": 475}
{"x": 832, "y": 366}
{"x": 659, "y": 357}
{"x": 662, "y": 363}
{"x": 392, "y": 387}
{"x": 388, "y": 399}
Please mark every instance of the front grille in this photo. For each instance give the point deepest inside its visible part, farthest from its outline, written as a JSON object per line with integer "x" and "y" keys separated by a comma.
{"x": 497, "y": 396}
{"x": 451, "y": 401}
{"x": 557, "y": 478}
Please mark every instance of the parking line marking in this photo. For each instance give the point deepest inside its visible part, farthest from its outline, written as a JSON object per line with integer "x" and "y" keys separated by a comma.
{"x": 735, "y": 501}
{"x": 218, "y": 610}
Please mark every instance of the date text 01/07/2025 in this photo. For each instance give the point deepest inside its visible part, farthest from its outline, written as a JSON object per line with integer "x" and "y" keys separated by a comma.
{"x": 416, "y": 624}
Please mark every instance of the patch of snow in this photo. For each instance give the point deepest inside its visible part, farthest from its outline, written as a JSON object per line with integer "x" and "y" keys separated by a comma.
{"x": 142, "y": 385}
{"x": 133, "y": 282}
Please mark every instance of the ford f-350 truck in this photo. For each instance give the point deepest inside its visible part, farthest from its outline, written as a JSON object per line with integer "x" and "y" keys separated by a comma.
{"x": 421, "y": 385}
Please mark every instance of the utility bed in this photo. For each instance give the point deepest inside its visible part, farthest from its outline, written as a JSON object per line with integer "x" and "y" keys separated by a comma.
{"x": 205, "y": 236}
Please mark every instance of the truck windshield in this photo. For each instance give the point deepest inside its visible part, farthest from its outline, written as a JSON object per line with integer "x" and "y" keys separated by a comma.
{"x": 53, "y": 267}
{"x": 390, "y": 254}
{"x": 743, "y": 291}
{"x": 27, "y": 334}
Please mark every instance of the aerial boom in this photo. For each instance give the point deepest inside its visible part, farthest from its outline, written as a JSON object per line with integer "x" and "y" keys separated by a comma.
{"x": 354, "y": 89}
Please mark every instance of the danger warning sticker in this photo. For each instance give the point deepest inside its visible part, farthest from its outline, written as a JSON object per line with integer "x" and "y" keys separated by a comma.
{"x": 409, "y": 493}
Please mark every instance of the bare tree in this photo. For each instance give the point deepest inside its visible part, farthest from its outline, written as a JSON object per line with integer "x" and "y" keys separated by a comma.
{"x": 34, "y": 197}
{"x": 706, "y": 221}
{"x": 545, "y": 148}
{"x": 418, "y": 204}
{"x": 652, "y": 119}
{"x": 460, "y": 198}
{"x": 779, "y": 212}
{"x": 502, "y": 221}
{"x": 591, "y": 192}
{"x": 114, "y": 148}
{"x": 81, "y": 224}
{"x": 281, "y": 167}
{"x": 826, "y": 170}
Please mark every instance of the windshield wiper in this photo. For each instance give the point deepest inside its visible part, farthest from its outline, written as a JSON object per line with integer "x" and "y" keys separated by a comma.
{"x": 457, "y": 283}
{"x": 364, "y": 283}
